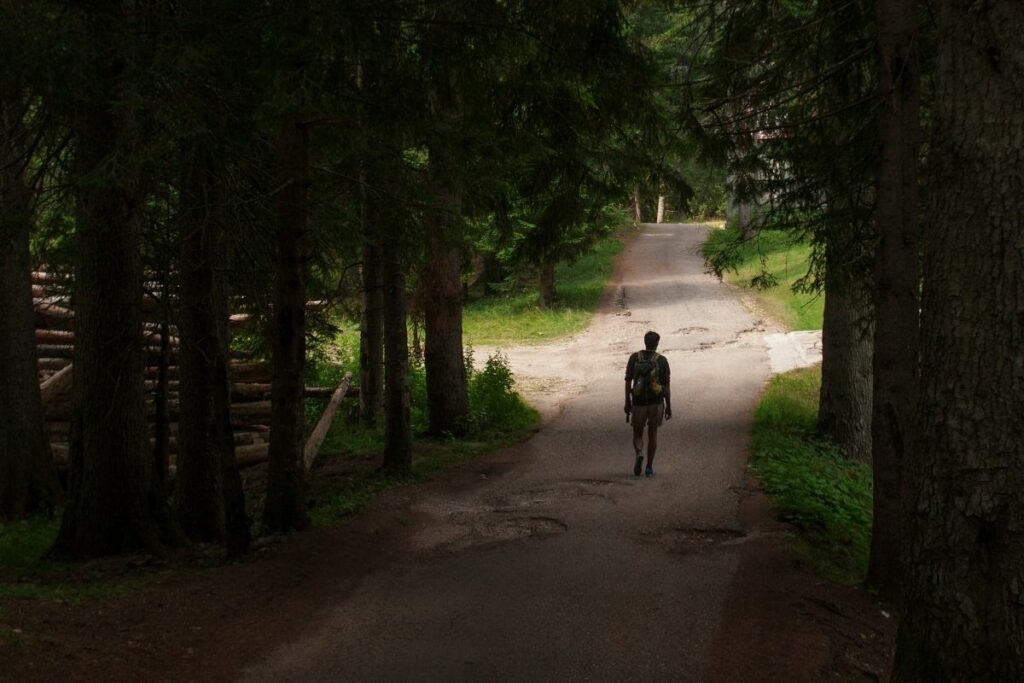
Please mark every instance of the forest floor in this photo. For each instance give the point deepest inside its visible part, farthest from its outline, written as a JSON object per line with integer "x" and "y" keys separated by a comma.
{"x": 546, "y": 560}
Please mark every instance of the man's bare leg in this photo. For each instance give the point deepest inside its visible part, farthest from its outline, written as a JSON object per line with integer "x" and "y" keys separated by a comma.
{"x": 638, "y": 445}
{"x": 638, "y": 438}
{"x": 652, "y": 444}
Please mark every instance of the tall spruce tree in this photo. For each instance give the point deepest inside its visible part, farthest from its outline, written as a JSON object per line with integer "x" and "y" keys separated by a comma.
{"x": 963, "y": 615}
{"x": 285, "y": 501}
{"x": 28, "y": 482}
{"x": 114, "y": 500}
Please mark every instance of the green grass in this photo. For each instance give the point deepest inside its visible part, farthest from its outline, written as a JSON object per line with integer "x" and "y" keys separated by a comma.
{"x": 23, "y": 544}
{"x": 516, "y": 319}
{"x": 24, "y": 567}
{"x": 74, "y": 593}
{"x": 824, "y": 495}
{"x": 780, "y": 256}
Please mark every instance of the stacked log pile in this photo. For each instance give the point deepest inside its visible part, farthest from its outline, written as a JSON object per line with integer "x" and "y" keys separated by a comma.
{"x": 55, "y": 343}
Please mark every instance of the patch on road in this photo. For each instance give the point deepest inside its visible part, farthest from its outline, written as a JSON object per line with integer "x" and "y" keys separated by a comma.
{"x": 686, "y": 540}
{"x": 792, "y": 350}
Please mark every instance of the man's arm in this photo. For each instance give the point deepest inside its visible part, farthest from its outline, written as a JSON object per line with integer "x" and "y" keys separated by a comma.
{"x": 628, "y": 406}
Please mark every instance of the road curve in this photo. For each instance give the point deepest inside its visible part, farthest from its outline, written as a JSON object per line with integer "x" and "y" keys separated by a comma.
{"x": 559, "y": 565}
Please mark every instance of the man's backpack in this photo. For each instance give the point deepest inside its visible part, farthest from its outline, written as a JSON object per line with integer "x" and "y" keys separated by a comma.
{"x": 646, "y": 383}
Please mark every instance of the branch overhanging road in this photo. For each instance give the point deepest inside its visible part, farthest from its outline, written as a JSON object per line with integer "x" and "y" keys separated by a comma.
{"x": 560, "y": 565}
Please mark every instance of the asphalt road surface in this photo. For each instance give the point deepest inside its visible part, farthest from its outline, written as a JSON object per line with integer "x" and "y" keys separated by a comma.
{"x": 560, "y": 565}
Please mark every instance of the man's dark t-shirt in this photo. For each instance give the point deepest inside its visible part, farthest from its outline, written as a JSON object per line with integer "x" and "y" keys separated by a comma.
{"x": 663, "y": 377}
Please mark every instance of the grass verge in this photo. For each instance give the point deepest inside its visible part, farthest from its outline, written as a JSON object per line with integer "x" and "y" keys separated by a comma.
{"x": 770, "y": 265}
{"x": 23, "y": 544}
{"x": 516, "y": 319}
{"x": 26, "y": 572}
{"x": 824, "y": 495}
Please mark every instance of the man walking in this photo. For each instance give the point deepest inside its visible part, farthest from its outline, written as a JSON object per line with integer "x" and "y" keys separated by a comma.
{"x": 648, "y": 399}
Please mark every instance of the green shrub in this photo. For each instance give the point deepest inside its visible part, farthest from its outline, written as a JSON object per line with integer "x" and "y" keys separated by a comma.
{"x": 494, "y": 406}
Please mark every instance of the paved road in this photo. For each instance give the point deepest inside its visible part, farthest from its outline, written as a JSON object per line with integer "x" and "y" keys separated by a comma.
{"x": 559, "y": 565}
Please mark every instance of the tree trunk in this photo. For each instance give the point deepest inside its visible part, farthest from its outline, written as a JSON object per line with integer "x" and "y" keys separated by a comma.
{"x": 237, "y": 527}
{"x": 638, "y": 214}
{"x": 28, "y": 481}
{"x": 661, "y": 208}
{"x": 896, "y": 283}
{"x": 963, "y": 616}
{"x": 494, "y": 273}
{"x": 398, "y": 430}
{"x": 285, "y": 507}
{"x": 162, "y": 427}
{"x": 371, "y": 328}
{"x": 417, "y": 345}
{"x": 115, "y": 502}
{"x": 199, "y": 498}
{"x": 546, "y": 285}
{"x": 447, "y": 401}
{"x": 844, "y": 411}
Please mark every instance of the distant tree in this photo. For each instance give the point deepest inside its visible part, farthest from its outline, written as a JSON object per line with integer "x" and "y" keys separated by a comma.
{"x": 581, "y": 113}
{"x": 783, "y": 93}
{"x": 962, "y": 613}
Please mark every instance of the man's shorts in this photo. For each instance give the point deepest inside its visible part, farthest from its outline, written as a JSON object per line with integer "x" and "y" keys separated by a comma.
{"x": 651, "y": 415}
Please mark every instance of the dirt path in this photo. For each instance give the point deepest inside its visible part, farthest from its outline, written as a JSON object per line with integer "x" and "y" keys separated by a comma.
{"x": 565, "y": 567}
{"x": 544, "y": 562}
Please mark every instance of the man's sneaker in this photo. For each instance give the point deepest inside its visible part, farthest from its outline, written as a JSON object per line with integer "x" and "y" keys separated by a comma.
{"x": 649, "y": 471}
{"x": 638, "y": 465}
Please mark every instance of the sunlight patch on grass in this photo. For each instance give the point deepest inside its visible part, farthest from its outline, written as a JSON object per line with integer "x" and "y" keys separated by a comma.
{"x": 516, "y": 319}
{"x": 782, "y": 256}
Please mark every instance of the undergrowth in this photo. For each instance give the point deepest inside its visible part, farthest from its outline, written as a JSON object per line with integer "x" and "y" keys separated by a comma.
{"x": 27, "y": 572}
{"x": 497, "y": 417}
{"x": 23, "y": 544}
{"x": 774, "y": 266}
{"x": 824, "y": 495}
{"x": 514, "y": 317}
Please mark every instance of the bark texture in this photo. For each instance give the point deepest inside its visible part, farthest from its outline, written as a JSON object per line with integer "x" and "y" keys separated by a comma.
{"x": 209, "y": 503}
{"x": 28, "y": 482}
{"x": 398, "y": 428}
{"x": 897, "y": 281}
{"x": 161, "y": 406}
{"x": 638, "y": 213}
{"x": 371, "y": 328}
{"x": 285, "y": 506}
{"x": 546, "y": 283}
{"x": 114, "y": 500}
{"x": 447, "y": 401}
{"x": 844, "y": 411}
{"x": 963, "y": 618}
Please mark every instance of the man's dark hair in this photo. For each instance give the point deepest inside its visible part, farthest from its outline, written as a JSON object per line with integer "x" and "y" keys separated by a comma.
{"x": 651, "y": 340}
